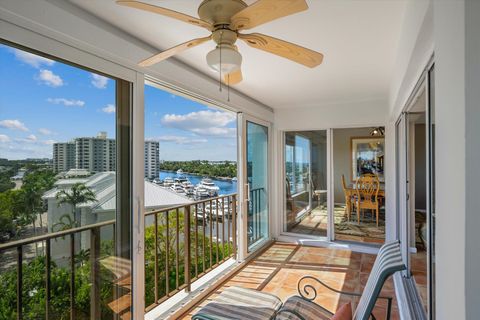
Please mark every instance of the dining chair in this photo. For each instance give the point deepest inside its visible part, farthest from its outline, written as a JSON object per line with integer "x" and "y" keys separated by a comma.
{"x": 348, "y": 198}
{"x": 367, "y": 188}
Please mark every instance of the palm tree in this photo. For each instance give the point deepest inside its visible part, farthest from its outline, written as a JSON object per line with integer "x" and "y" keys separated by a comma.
{"x": 78, "y": 194}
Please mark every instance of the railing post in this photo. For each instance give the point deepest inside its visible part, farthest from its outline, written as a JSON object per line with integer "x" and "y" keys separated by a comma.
{"x": 47, "y": 278}
{"x": 95, "y": 273}
{"x": 19, "y": 282}
{"x": 186, "y": 250}
{"x": 155, "y": 219}
{"x": 72, "y": 276}
{"x": 234, "y": 225}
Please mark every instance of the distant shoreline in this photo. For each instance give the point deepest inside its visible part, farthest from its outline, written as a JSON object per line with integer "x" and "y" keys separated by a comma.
{"x": 200, "y": 175}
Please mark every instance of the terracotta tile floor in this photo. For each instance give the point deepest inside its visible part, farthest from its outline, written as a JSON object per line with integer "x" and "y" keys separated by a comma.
{"x": 278, "y": 269}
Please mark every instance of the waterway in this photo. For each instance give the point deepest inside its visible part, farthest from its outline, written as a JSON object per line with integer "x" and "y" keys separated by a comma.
{"x": 226, "y": 186}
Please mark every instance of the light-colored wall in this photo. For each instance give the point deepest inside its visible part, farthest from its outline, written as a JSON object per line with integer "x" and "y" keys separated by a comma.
{"x": 354, "y": 114}
{"x": 342, "y": 157}
{"x": 472, "y": 116}
{"x": 415, "y": 48}
{"x": 450, "y": 159}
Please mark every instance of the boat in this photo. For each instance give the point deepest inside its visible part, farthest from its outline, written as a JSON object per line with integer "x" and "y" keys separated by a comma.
{"x": 234, "y": 179}
{"x": 211, "y": 187}
{"x": 179, "y": 172}
{"x": 219, "y": 211}
{"x": 177, "y": 188}
{"x": 157, "y": 181}
{"x": 168, "y": 182}
{"x": 180, "y": 179}
{"x": 201, "y": 192}
{"x": 188, "y": 187}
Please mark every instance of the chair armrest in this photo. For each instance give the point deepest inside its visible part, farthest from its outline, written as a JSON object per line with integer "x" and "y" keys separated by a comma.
{"x": 309, "y": 292}
{"x": 307, "y": 287}
{"x": 288, "y": 311}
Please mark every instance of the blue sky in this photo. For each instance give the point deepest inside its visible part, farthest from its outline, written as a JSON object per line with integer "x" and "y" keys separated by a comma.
{"x": 42, "y": 102}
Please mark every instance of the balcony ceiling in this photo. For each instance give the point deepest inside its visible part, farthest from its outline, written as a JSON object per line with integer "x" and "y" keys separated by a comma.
{"x": 359, "y": 39}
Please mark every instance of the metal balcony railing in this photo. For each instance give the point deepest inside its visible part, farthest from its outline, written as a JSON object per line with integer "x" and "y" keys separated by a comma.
{"x": 188, "y": 241}
{"x": 182, "y": 244}
{"x": 94, "y": 255}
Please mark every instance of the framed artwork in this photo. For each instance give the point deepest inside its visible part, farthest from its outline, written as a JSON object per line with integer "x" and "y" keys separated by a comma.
{"x": 368, "y": 156}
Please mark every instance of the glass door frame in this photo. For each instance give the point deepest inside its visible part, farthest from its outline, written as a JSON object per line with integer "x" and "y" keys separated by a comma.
{"x": 242, "y": 217}
{"x": 402, "y": 188}
{"x": 283, "y": 206}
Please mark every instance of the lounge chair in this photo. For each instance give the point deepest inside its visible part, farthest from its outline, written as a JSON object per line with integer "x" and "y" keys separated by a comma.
{"x": 241, "y": 303}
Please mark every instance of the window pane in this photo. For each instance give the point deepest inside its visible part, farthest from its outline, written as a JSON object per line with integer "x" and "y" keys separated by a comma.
{"x": 59, "y": 148}
{"x": 306, "y": 182}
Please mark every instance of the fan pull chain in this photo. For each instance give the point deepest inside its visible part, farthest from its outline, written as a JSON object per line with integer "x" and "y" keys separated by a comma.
{"x": 220, "y": 68}
{"x": 228, "y": 87}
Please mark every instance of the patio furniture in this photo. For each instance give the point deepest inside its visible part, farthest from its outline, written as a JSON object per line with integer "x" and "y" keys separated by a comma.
{"x": 348, "y": 197}
{"x": 367, "y": 189}
{"x": 241, "y": 303}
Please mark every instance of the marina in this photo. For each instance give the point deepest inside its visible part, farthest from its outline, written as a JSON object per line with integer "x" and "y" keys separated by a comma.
{"x": 195, "y": 186}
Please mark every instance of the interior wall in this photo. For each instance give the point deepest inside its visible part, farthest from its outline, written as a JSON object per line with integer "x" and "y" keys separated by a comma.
{"x": 342, "y": 158}
{"x": 414, "y": 50}
{"x": 354, "y": 114}
{"x": 450, "y": 117}
{"x": 472, "y": 134}
{"x": 420, "y": 167}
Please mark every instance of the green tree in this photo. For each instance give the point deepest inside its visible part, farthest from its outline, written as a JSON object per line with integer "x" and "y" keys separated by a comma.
{"x": 78, "y": 194}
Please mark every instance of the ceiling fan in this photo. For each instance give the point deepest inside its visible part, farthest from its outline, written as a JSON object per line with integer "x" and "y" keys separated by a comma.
{"x": 224, "y": 19}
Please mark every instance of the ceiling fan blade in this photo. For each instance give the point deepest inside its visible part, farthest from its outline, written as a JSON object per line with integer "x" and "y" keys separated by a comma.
{"x": 264, "y": 11}
{"x": 284, "y": 49}
{"x": 172, "y": 51}
{"x": 166, "y": 12}
{"x": 234, "y": 77}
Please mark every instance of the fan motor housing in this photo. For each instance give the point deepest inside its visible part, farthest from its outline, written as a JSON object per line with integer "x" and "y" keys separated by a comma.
{"x": 220, "y": 12}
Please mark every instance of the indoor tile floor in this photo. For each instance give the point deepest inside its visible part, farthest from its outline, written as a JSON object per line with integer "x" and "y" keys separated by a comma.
{"x": 278, "y": 269}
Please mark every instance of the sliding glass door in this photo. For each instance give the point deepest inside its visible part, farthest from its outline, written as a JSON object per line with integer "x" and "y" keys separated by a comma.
{"x": 254, "y": 183}
{"x": 305, "y": 165}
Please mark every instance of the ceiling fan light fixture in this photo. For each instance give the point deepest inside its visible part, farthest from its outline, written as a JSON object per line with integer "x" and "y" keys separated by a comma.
{"x": 230, "y": 59}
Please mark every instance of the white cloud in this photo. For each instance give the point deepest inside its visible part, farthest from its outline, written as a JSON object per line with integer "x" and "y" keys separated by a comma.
{"x": 206, "y": 123}
{"x": 13, "y": 124}
{"x": 29, "y": 139}
{"x": 49, "y": 78}
{"x": 49, "y": 142}
{"x": 32, "y": 59}
{"x": 178, "y": 140}
{"x": 67, "y": 102}
{"x": 215, "y": 132}
{"x": 4, "y": 138}
{"x": 110, "y": 108}
{"x": 99, "y": 81}
{"x": 45, "y": 131}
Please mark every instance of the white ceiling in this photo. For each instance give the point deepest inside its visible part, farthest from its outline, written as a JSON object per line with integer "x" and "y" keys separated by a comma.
{"x": 358, "y": 38}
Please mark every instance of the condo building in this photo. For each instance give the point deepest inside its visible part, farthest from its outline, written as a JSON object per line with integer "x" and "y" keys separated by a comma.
{"x": 152, "y": 159}
{"x": 63, "y": 156}
{"x": 98, "y": 154}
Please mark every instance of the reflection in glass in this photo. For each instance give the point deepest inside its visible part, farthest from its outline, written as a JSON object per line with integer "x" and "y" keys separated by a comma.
{"x": 306, "y": 182}
{"x": 257, "y": 180}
